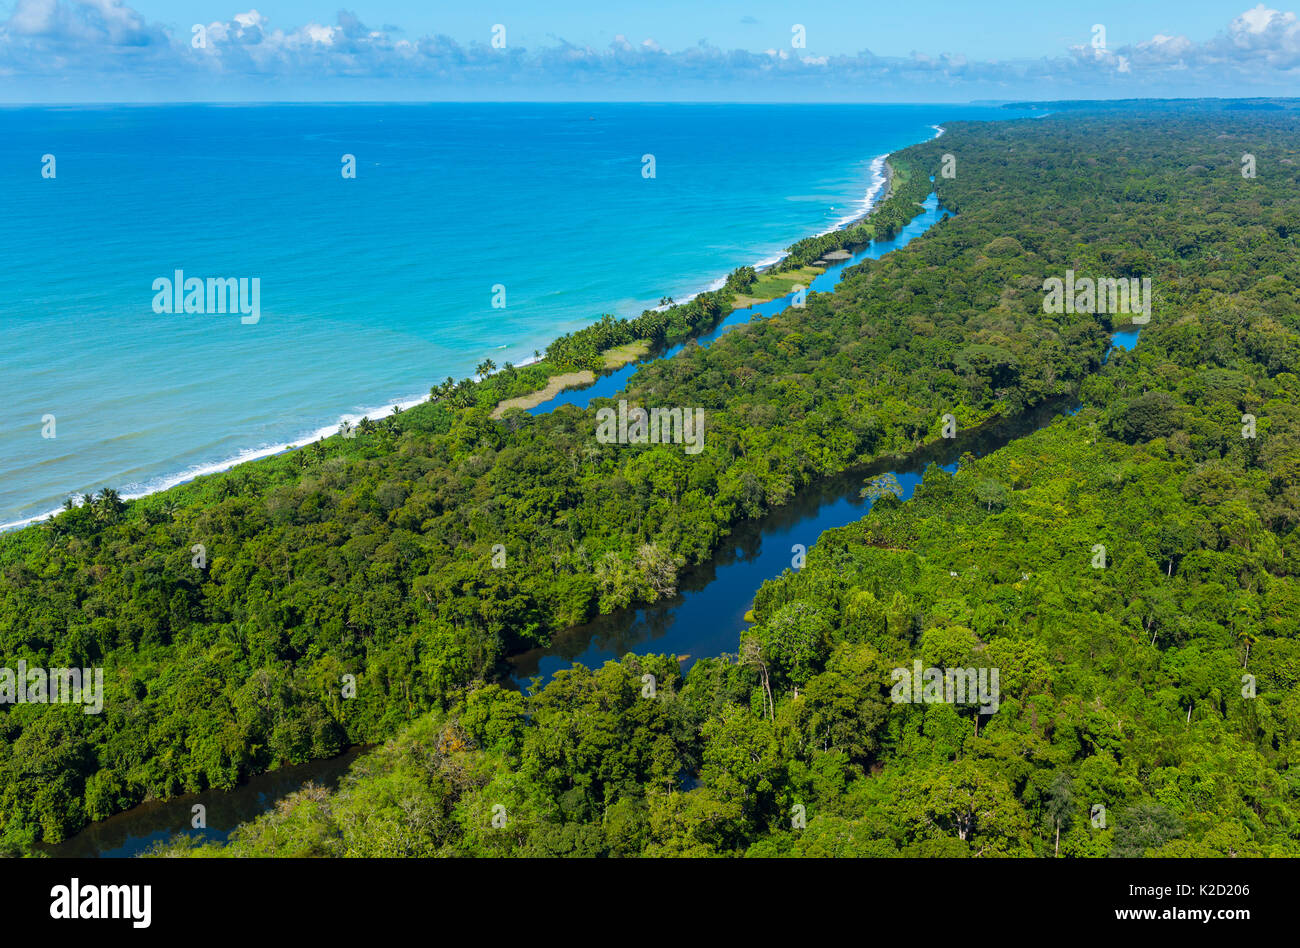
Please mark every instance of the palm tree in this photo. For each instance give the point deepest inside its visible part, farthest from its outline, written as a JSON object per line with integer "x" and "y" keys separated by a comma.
{"x": 486, "y": 367}
{"x": 1248, "y": 636}
{"x": 1060, "y": 796}
{"x": 107, "y": 506}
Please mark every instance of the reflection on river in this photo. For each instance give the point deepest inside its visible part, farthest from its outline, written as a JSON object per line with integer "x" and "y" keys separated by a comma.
{"x": 136, "y": 830}
{"x": 707, "y": 615}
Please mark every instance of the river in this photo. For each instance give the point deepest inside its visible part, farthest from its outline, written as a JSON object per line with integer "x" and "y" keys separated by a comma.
{"x": 612, "y": 383}
{"x": 136, "y": 830}
{"x": 705, "y": 618}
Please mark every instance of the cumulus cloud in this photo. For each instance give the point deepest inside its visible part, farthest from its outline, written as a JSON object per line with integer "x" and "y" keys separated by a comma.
{"x": 83, "y": 23}
{"x": 1262, "y": 44}
{"x": 98, "y": 41}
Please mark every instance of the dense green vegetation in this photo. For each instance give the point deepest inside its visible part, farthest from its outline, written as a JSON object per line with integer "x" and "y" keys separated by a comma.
{"x": 1120, "y": 686}
{"x": 373, "y": 557}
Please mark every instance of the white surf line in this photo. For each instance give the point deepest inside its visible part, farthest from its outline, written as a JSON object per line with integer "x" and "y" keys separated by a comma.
{"x": 166, "y": 482}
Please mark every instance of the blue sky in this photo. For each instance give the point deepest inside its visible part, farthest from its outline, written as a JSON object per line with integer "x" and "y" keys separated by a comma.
{"x": 942, "y": 50}
{"x": 1006, "y": 28}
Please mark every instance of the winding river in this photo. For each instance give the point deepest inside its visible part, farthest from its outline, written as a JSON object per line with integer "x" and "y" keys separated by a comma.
{"x": 136, "y": 830}
{"x": 705, "y": 618}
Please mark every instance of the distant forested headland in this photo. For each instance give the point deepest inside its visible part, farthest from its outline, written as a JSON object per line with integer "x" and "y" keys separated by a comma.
{"x": 1160, "y": 686}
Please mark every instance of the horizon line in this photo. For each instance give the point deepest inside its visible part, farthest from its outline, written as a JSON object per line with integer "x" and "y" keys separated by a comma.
{"x": 988, "y": 102}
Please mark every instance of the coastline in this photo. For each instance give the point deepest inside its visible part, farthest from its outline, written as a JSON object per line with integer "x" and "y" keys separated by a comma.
{"x": 879, "y": 189}
{"x": 629, "y": 350}
{"x": 167, "y": 481}
{"x": 882, "y": 188}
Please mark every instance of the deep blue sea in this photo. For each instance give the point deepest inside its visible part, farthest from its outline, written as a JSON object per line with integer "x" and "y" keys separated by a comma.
{"x": 371, "y": 288}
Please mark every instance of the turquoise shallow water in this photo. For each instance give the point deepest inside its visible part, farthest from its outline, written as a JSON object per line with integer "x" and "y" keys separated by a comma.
{"x": 370, "y": 288}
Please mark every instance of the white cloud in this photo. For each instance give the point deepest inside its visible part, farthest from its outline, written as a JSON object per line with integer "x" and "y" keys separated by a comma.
{"x": 319, "y": 34}
{"x": 250, "y": 19}
{"x": 98, "y": 40}
{"x": 1261, "y": 20}
{"x": 86, "y": 23}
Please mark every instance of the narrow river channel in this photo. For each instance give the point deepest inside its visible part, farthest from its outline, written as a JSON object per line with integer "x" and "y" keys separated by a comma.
{"x": 133, "y": 831}
{"x": 705, "y": 618}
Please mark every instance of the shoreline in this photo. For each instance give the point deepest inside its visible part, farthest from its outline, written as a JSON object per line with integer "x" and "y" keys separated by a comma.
{"x": 879, "y": 189}
{"x": 628, "y": 351}
{"x": 165, "y": 482}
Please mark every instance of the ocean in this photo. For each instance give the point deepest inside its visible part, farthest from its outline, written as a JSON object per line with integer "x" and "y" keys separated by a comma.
{"x": 370, "y": 288}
